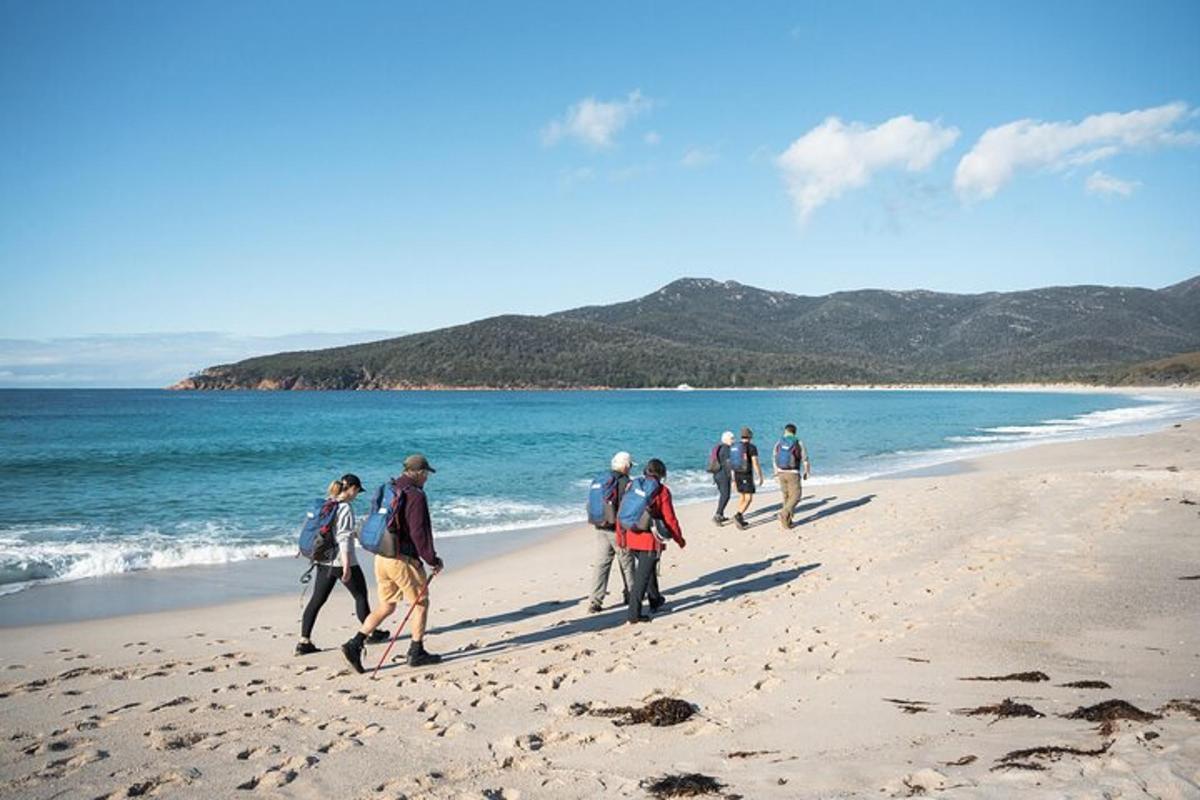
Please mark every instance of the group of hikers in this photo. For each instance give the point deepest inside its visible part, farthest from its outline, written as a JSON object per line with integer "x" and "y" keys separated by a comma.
{"x": 634, "y": 518}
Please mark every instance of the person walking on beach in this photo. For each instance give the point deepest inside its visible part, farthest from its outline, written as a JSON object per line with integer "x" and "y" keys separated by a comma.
{"x": 338, "y": 564}
{"x": 646, "y": 510}
{"x": 790, "y": 460}
{"x": 404, "y": 576}
{"x": 603, "y": 500}
{"x": 718, "y": 465}
{"x": 744, "y": 463}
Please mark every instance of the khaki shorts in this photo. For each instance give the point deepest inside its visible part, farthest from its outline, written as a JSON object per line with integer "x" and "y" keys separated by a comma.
{"x": 401, "y": 577}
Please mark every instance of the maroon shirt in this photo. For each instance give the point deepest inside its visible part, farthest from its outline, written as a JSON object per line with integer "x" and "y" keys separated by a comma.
{"x": 413, "y": 529}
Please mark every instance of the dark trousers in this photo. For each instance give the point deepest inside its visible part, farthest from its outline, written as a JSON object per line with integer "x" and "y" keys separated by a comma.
{"x": 327, "y": 576}
{"x": 645, "y": 580}
{"x": 724, "y": 485}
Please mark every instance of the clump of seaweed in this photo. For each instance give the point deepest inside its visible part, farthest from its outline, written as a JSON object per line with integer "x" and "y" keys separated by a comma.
{"x": 658, "y": 713}
{"x": 1027, "y": 765}
{"x": 688, "y": 784}
{"x": 750, "y": 753}
{"x": 1085, "y": 685}
{"x": 1190, "y": 706}
{"x": 1024, "y": 677}
{"x": 909, "y": 706}
{"x": 1051, "y": 752}
{"x": 1007, "y": 708}
{"x": 961, "y": 762}
{"x": 1108, "y": 712}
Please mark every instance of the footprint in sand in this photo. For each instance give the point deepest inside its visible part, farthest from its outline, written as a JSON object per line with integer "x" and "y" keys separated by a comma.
{"x": 159, "y": 784}
{"x": 279, "y": 775}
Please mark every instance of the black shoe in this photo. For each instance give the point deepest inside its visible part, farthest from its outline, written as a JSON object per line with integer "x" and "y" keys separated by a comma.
{"x": 595, "y": 608}
{"x": 740, "y": 521}
{"x": 420, "y": 657}
{"x": 640, "y": 618}
{"x": 304, "y": 648}
{"x": 379, "y": 636}
{"x": 656, "y": 604}
{"x": 352, "y": 650}
{"x": 719, "y": 519}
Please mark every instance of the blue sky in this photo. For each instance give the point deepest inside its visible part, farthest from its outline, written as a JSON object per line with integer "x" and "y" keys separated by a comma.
{"x": 264, "y": 169}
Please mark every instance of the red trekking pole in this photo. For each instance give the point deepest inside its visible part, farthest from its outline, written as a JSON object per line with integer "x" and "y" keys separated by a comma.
{"x": 403, "y": 622}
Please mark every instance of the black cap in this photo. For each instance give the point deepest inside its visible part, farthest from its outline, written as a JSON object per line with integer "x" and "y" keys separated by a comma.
{"x": 350, "y": 480}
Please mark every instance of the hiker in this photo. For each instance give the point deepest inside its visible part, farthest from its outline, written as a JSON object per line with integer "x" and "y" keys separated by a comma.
{"x": 338, "y": 563}
{"x": 645, "y": 521}
{"x": 404, "y": 576}
{"x": 744, "y": 464}
{"x": 718, "y": 465}
{"x": 790, "y": 460}
{"x": 604, "y": 497}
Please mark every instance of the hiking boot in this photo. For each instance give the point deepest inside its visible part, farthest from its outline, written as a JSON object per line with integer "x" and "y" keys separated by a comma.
{"x": 740, "y": 521}
{"x": 656, "y": 604}
{"x": 379, "y": 636}
{"x": 595, "y": 608}
{"x": 352, "y": 650}
{"x": 418, "y": 656}
{"x": 720, "y": 519}
{"x": 304, "y": 648}
{"x": 640, "y": 618}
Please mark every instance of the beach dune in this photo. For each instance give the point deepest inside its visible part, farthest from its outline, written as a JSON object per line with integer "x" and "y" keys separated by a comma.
{"x": 1024, "y": 627}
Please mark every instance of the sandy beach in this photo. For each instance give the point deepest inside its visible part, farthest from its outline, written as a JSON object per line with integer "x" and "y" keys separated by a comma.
{"x": 912, "y": 636}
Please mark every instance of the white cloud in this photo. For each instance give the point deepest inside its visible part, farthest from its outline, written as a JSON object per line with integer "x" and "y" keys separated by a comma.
{"x": 697, "y": 157}
{"x": 834, "y": 157}
{"x": 652, "y": 138}
{"x": 1029, "y": 144}
{"x": 1104, "y": 184}
{"x": 595, "y": 122}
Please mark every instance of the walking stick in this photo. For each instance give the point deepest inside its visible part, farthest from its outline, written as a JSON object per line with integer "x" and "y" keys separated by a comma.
{"x": 403, "y": 622}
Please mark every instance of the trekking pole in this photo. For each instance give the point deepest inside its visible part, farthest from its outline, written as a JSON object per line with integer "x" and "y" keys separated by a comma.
{"x": 403, "y": 622}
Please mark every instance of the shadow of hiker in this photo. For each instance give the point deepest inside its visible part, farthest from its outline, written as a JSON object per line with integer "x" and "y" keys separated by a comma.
{"x": 732, "y": 590}
{"x": 799, "y": 510}
{"x": 726, "y": 574}
{"x": 775, "y": 508}
{"x": 569, "y": 627}
{"x": 849, "y": 505}
{"x": 545, "y": 607}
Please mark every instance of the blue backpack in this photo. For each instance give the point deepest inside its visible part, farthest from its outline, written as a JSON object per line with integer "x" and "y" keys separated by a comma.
{"x": 317, "y": 535}
{"x": 602, "y": 501}
{"x": 785, "y": 454}
{"x": 634, "y": 513}
{"x": 739, "y": 456}
{"x": 376, "y": 535}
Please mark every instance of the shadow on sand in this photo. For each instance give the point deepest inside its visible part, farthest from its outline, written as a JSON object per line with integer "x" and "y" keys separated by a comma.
{"x": 724, "y": 584}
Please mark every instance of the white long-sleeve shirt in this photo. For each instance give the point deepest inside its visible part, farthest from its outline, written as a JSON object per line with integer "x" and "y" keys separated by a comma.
{"x": 344, "y": 535}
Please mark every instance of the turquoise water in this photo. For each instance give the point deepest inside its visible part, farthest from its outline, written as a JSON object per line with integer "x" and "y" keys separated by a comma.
{"x": 101, "y": 482}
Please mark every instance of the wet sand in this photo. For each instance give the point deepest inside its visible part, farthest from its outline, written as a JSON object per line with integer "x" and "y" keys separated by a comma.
{"x": 831, "y": 660}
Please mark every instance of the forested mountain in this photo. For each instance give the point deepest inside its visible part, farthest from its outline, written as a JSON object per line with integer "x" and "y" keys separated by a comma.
{"x": 709, "y": 333}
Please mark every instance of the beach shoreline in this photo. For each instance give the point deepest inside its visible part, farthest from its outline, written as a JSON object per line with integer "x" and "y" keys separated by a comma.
{"x": 843, "y": 643}
{"x": 154, "y": 590}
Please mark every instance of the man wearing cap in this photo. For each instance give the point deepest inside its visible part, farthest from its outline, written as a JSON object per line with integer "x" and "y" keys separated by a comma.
{"x": 404, "y": 576}
{"x": 744, "y": 463}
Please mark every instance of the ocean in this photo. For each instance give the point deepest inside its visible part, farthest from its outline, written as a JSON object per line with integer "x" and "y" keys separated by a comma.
{"x": 112, "y": 481}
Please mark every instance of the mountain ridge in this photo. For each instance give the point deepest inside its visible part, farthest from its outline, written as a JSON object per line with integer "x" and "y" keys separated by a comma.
{"x": 705, "y": 332}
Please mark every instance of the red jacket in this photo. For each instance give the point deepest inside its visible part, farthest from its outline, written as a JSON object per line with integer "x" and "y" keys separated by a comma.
{"x": 661, "y": 508}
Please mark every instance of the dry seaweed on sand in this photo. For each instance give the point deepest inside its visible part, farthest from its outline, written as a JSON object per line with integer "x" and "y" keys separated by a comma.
{"x": 1024, "y": 677}
{"x": 1007, "y": 708}
{"x": 1052, "y": 752}
{"x": 1190, "y": 578}
{"x": 689, "y": 784}
{"x": 1085, "y": 685}
{"x": 1190, "y": 706}
{"x": 961, "y": 762}
{"x": 1026, "y": 765}
{"x": 658, "y": 713}
{"x": 750, "y": 753}
{"x": 1111, "y": 710}
{"x": 909, "y": 706}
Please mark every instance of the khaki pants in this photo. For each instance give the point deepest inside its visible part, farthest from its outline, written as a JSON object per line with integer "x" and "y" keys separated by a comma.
{"x": 789, "y": 482}
{"x": 404, "y": 577}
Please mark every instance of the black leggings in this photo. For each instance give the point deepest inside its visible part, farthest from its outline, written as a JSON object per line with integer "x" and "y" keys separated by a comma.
{"x": 327, "y": 576}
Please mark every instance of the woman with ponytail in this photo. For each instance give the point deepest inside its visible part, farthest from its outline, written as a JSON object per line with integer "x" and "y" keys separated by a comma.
{"x": 339, "y": 565}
